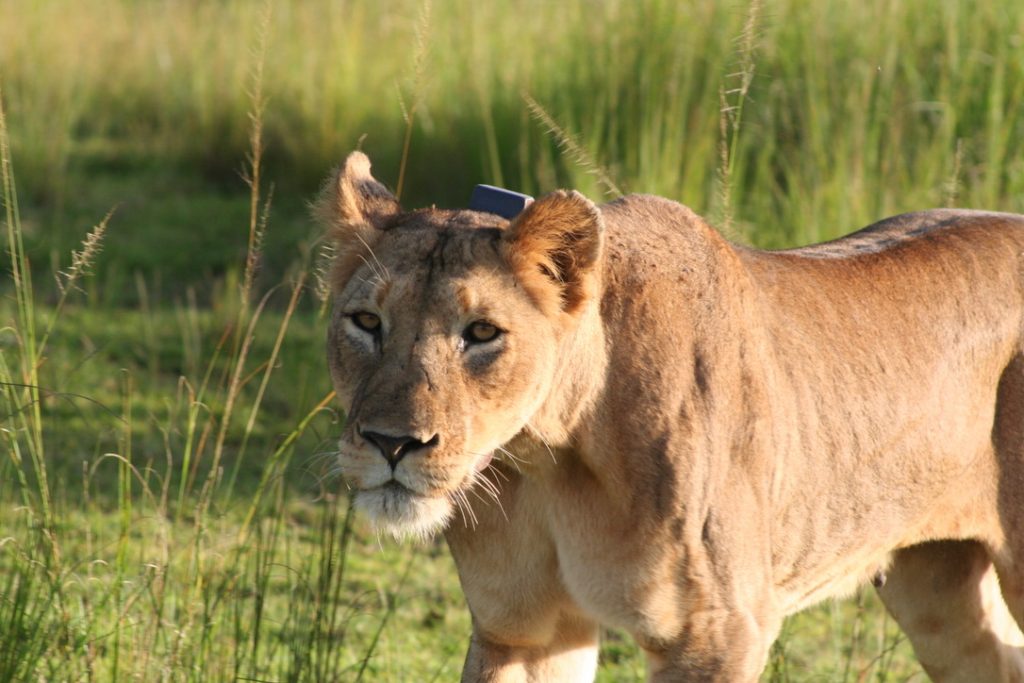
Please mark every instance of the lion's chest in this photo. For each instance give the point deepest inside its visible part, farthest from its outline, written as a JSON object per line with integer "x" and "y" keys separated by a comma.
{"x": 613, "y": 576}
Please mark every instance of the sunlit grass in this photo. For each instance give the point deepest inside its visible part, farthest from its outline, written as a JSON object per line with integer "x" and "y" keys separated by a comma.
{"x": 852, "y": 110}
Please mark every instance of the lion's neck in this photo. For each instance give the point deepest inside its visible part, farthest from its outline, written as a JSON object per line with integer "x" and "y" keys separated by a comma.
{"x": 576, "y": 384}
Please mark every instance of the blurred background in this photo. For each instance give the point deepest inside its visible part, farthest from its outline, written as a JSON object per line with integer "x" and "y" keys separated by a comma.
{"x": 852, "y": 111}
{"x": 167, "y": 510}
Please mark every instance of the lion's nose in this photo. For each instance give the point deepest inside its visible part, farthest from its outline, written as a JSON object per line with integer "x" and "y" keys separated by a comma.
{"x": 394, "y": 448}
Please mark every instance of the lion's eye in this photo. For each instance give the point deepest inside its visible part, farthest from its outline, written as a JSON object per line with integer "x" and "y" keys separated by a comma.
{"x": 480, "y": 332}
{"x": 368, "y": 322}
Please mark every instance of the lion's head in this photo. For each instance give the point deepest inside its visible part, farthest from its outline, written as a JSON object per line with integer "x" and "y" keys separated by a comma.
{"x": 447, "y": 336}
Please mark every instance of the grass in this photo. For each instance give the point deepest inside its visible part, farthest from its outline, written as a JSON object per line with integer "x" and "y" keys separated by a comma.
{"x": 167, "y": 512}
{"x": 853, "y": 110}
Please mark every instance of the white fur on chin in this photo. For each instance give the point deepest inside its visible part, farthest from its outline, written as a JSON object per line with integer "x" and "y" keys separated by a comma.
{"x": 403, "y": 514}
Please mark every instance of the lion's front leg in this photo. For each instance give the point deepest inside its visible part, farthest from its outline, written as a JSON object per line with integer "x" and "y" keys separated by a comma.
{"x": 569, "y": 657}
{"x": 526, "y": 627}
{"x": 719, "y": 646}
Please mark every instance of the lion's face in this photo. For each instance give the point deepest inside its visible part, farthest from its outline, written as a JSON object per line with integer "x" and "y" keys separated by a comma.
{"x": 439, "y": 359}
{"x": 442, "y": 345}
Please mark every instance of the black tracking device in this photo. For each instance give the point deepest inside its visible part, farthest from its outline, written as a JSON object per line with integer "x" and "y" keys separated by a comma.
{"x": 499, "y": 201}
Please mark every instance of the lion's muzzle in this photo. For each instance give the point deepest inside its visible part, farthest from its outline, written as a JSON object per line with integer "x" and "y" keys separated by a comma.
{"x": 394, "y": 448}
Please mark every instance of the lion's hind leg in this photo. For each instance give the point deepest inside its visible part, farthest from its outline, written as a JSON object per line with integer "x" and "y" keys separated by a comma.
{"x": 946, "y": 598}
{"x": 1008, "y": 439}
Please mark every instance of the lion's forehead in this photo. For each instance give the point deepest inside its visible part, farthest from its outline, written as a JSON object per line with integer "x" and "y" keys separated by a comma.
{"x": 446, "y": 306}
{"x": 445, "y": 219}
{"x": 437, "y": 270}
{"x": 445, "y": 252}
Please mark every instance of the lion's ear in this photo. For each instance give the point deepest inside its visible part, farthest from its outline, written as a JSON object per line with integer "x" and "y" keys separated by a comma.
{"x": 353, "y": 202}
{"x": 554, "y": 247}
{"x": 353, "y": 206}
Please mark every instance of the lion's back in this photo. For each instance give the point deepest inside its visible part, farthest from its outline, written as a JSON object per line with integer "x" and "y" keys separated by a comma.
{"x": 907, "y": 228}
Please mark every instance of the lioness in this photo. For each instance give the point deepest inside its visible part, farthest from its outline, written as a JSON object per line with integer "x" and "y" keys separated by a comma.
{"x": 618, "y": 417}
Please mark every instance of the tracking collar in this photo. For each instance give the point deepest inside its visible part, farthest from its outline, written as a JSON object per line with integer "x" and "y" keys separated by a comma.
{"x": 499, "y": 201}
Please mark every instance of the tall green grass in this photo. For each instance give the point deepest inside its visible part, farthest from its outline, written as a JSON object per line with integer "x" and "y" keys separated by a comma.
{"x": 157, "y": 559}
{"x": 166, "y": 506}
{"x": 854, "y": 110}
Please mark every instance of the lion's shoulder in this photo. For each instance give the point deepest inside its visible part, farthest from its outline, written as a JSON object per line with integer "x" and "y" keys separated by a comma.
{"x": 644, "y": 212}
{"x": 645, "y": 230}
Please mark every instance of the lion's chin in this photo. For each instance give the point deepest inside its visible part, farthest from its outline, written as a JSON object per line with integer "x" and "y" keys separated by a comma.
{"x": 398, "y": 511}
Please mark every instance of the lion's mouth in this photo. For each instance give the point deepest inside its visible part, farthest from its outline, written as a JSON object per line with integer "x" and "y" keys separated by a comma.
{"x": 397, "y": 509}
{"x": 395, "y": 494}
{"x": 394, "y": 486}
{"x": 417, "y": 508}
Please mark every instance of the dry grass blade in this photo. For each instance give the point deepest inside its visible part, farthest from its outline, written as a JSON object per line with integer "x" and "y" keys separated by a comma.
{"x": 270, "y": 365}
{"x": 82, "y": 260}
{"x": 251, "y": 175}
{"x": 322, "y": 273}
{"x": 955, "y": 181}
{"x": 748, "y": 46}
{"x": 570, "y": 146}
{"x": 731, "y": 103}
{"x": 724, "y": 166}
{"x": 418, "y": 69}
{"x": 81, "y": 263}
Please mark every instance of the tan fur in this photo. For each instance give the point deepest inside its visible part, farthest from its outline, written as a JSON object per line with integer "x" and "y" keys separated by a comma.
{"x": 690, "y": 439}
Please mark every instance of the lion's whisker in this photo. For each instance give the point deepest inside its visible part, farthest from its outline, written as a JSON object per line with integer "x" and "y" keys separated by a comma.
{"x": 468, "y": 515}
{"x": 493, "y": 494}
{"x": 513, "y": 458}
{"x": 454, "y": 498}
{"x": 371, "y": 266}
{"x": 384, "y": 274}
{"x": 490, "y": 486}
{"x": 499, "y": 473}
{"x": 476, "y": 492}
{"x": 543, "y": 441}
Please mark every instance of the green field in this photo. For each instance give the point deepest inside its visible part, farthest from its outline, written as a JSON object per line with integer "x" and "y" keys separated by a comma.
{"x": 167, "y": 505}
